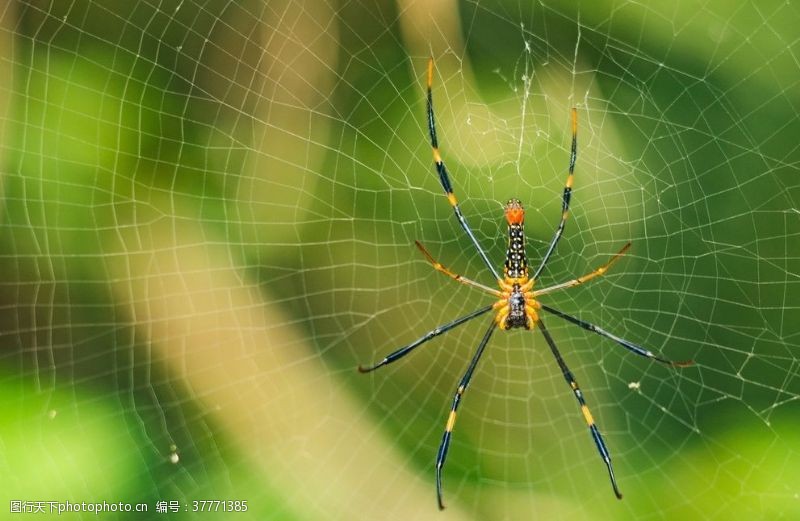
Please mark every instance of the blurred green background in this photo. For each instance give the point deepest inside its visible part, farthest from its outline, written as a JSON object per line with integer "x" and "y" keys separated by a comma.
{"x": 208, "y": 215}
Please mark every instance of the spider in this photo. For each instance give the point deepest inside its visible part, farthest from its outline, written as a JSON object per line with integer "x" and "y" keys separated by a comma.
{"x": 517, "y": 305}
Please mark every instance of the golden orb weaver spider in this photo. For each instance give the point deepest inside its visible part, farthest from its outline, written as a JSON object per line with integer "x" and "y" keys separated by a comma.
{"x": 517, "y": 305}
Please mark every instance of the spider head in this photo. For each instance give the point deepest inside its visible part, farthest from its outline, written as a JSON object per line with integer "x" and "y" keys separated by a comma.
{"x": 514, "y": 211}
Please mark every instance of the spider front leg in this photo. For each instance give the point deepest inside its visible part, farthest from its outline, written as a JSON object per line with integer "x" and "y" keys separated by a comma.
{"x": 565, "y": 197}
{"x": 444, "y": 178}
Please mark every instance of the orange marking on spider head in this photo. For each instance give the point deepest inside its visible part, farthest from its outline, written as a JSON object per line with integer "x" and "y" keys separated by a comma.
{"x": 514, "y": 211}
{"x": 430, "y": 72}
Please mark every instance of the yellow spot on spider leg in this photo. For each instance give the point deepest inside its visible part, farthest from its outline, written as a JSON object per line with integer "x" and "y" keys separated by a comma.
{"x": 570, "y": 178}
{"x": 437, "y": 156}
{"x": 587, "y": 415}
{"x": 430, "y": 72}
{"x": 451, "y": 420}
{"x": 452, "y": 198}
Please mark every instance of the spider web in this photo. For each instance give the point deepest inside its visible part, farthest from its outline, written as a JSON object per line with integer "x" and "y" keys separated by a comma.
{"x": 208, "y": 217}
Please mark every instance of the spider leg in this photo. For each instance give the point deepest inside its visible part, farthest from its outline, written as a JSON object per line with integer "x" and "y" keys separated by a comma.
{"x": 630, "y": 346}
{"x": 444, "y": 179}
{"x": 598, "y": 439}
{"x": 455, "y": 276}
{"x": 584, "y": 278}
{"x": 565, "y": 198}
{"x": 451, "y": 419}
{"x": 403, "y": 351}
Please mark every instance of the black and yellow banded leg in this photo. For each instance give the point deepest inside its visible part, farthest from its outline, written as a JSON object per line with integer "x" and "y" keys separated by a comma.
{"x": 565, "y": 198}
{"x": 573, "y": 384}
{"x": 403, "y": 351}
{"x": 444, "y": 178}
{"x": 630, "y": 346}
{"x": 451, "y": 419}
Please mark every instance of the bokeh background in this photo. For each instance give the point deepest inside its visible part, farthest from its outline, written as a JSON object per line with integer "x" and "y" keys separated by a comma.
{"x": 208, "y": 214}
